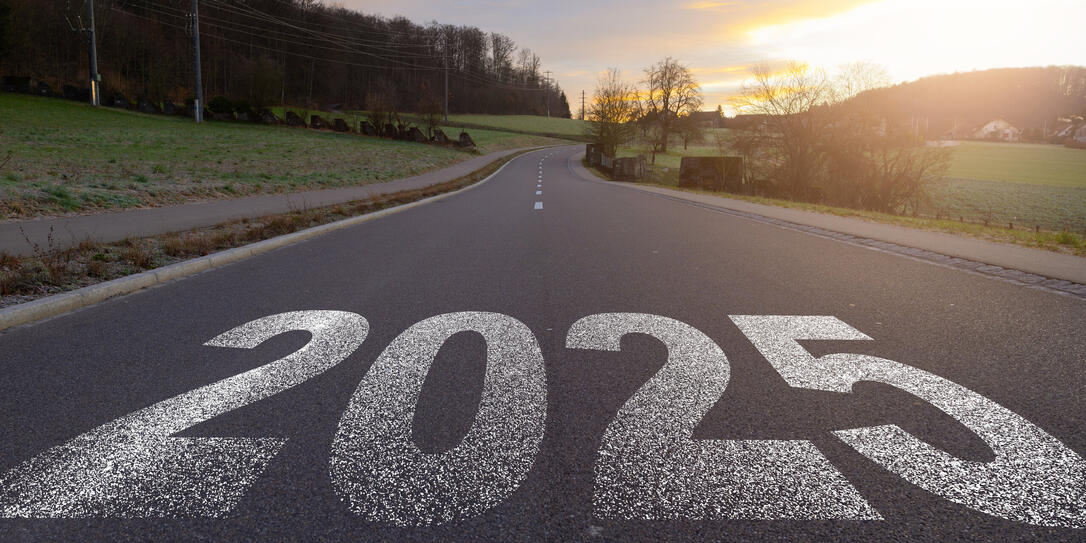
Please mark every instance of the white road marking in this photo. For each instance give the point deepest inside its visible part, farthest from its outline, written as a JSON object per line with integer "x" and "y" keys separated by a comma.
{"x": 650, "y": 468}
{"x": 1034, "y": 478}
{"x": 133, "y": 467}
{"x": 539, "y": 205}
{"x": 384, "y": 477}
{"x": 538, "y": 193}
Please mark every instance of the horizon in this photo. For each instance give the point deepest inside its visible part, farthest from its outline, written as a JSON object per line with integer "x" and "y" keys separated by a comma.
{"x": 722, "y": 41}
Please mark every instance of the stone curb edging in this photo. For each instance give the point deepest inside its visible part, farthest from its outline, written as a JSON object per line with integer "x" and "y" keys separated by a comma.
{"x": 1018, "y": 277}
{"x": 66, "y": 302}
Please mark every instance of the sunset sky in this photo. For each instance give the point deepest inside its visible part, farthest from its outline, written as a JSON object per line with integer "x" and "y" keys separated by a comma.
{"x": 721, "y": 39}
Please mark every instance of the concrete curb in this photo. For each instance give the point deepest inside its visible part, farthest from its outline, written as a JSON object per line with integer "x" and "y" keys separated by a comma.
{"x": 66, "y": 302}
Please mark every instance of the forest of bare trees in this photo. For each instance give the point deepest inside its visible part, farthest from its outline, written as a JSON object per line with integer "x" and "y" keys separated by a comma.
{"x": 269, "y": 52}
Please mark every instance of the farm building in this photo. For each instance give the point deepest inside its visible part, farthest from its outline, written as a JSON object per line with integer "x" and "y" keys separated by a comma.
{"x": 1080, "y": 134}
{"x": 998, "y": 130}
{"x": 747, "y": 121}
{"x": 708, "y": 119}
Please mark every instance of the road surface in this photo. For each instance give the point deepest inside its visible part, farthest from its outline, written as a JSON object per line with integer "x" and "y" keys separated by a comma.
{"x": 544, "y": 357}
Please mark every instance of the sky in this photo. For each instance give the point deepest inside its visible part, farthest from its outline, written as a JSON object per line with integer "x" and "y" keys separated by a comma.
{"x": 722, "y": 40}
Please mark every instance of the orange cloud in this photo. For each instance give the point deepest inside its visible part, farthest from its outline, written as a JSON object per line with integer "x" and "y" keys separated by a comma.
{"x": 746, "y": 16}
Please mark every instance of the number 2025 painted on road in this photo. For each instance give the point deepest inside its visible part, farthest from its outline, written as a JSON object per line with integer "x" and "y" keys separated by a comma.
{"x": 648, "y": 467}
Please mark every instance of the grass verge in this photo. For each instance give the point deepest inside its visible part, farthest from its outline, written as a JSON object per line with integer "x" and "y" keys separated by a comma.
{"x": 1056, "y": 241}
{"x": 60, "y": 157}
{"x": 51, "y": 271}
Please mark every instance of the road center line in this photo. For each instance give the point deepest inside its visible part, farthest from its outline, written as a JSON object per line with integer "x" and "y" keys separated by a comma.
{"x": 539, "y": 205}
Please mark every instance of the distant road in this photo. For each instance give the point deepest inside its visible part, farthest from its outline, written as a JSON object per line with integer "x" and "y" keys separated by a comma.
{"x": 543, "y": 357}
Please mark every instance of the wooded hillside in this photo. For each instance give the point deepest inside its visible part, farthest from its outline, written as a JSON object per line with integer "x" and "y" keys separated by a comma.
{"x": 1028, "y": 98}
{"x": 267, "y": 52}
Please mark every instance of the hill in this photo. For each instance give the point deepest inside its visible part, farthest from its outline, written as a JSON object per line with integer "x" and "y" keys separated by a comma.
{"x": 1031, "y": 99}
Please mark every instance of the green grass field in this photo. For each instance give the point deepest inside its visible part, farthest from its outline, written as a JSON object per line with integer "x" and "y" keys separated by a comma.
{"x": 1032, "y": 163}
{"x": 70, "y": 157}
{"x": 521, "y": 124}
{"x": 533, "y": 124}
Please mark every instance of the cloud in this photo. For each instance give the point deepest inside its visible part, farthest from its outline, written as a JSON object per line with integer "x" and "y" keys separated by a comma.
{"x": 722, "y": 39}
{"x": 709, "y": 5}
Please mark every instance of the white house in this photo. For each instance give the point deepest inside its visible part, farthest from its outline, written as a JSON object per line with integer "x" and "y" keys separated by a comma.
{"x": 998, "y": 130}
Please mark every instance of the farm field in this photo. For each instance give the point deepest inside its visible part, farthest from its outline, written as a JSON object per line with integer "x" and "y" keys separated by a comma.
{"x": 1029, "y": 185}
{"x": 524, "y": 123}
{"x": 1033, "y": 163}
{"x": 69, "y": 157}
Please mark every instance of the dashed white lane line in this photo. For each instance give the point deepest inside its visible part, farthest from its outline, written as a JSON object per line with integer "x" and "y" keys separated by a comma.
{"x": 538, "y": 193}
{"x": 539, "y": 205}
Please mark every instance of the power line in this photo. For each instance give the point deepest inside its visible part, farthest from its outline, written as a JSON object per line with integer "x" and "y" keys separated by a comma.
{"x": 233, "y": 25}
{"x": 479, "y": 79}
{"x": 352, "y": 23}
{"x": 264, "y": 47}
{"x": 330, "y": 38}
{"x": 219, "y": 23}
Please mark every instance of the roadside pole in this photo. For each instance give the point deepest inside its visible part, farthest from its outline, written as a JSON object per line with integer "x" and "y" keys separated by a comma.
{"x": 445, "y": 50}
{"x": 95, "y": 92}
{"x": 198, "y": 106}
{"x": 547, "y": 91}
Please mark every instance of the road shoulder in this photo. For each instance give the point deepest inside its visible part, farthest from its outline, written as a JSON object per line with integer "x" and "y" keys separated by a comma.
{"x": 66, "y": 302}
{"x": 1062, "y": 272}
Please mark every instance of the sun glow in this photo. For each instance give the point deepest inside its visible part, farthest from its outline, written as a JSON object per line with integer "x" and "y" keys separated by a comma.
{"x": 914, "y": 38}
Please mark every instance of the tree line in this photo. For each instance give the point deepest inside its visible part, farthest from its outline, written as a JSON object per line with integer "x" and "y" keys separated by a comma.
{"x": 270, "y": 52}
{"x": 812, "y": 138}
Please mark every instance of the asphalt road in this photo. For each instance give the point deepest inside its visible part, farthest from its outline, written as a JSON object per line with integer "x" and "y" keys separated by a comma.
{"x": 638, "y": 380}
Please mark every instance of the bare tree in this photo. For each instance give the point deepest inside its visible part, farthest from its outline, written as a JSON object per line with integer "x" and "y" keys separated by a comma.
{"x": 380, "y": 102}
{"x": 823, "y": 140}
{"x": 671, "y": 92}
{"x": 611, "y": 113}
{"x": 429, "y": 106}
{"x": 501, "y": 55}
{"x": 690, "y": 130}
{"x": 794, "y": 106}
{"x": 858, "y": 77}
{"x": 874, "y": 160}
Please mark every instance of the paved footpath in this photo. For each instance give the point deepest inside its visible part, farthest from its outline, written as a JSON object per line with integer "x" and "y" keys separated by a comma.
{"x": 1039, "y": 265}
{"x": 110, "y": 227}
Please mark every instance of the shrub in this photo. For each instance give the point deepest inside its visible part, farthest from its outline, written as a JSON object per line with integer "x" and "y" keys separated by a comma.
{"x": 139, "y": 256}
{"x": 242, "y": 106}
{"x": 96, "y": 268}
{"x": 220, "y": 104}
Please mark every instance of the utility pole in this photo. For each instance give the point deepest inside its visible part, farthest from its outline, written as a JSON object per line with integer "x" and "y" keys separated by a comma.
{"x": 547, "y": 91}
{"x": 445, "y": 48}
{"x": 95, "y": 98}
{"x": 582, "y": 105}
{"x": 88, "y": 29}
{"x": 198, "y": 106}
